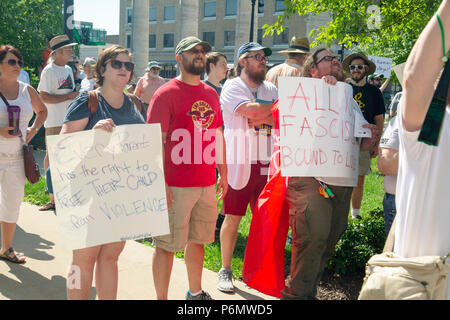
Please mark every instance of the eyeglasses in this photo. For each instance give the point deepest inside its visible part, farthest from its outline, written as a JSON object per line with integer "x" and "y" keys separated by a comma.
{"x": 259, "y": 58}
{"x": 116, "y": 64}
{"x": 13, "y": 62}
{"x": 354, "y": 66}
{"x": 326, "y": 58}
{"x": 196, "y": 51}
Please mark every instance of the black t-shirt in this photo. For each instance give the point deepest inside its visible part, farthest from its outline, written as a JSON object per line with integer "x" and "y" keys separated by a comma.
{"x": 218, "y": 89}
{"x": 370, "y": 100}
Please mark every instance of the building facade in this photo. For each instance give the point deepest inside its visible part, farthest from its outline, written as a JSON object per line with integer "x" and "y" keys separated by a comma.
{"x": 151, "y": 29}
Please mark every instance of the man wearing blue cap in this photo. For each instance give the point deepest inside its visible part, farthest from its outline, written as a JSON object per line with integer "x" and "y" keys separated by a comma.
{"x": 246, "y": 101}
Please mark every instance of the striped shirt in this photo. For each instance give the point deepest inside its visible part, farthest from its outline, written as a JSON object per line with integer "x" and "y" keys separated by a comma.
{"x": 286, "y": 69}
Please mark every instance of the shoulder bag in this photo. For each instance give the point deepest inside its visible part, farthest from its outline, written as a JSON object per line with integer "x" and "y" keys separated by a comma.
{"x": 391, "y": 277}
{"x": 31, "y": 167}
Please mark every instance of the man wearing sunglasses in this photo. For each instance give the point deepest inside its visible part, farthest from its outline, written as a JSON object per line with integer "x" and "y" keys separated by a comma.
{"x": 371, "y": 102}
{"x": 246, "y": 101}
{"x": 317, "y": 222}
{"x": 191, "y": 124}
{"x": 56, "y": 88}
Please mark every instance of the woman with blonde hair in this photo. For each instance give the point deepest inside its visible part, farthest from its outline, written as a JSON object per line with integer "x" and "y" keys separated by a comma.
{"x": 114, "y": 70}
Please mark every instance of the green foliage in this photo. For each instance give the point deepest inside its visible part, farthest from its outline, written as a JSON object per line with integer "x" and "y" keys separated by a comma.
{"x": 26, "y": 24}
{"x": 34, "y": 78}
{"x": 390, "y": 31}
{"x": 35, "y": 193}
{"x": 362, "y": 239}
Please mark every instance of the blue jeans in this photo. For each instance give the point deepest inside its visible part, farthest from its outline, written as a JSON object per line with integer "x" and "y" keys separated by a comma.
{"x": 389, "y": 211}
{"x": 49, "y": 181}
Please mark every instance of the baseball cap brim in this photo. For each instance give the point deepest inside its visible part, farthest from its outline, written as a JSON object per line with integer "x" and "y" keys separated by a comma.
{"x": 189, "y": 43}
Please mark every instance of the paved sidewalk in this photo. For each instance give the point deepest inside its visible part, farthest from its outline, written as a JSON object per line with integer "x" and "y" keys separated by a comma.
{"x": 43, "y": 276}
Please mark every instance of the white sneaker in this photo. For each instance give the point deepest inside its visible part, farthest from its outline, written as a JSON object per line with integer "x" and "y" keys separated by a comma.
{"x": 225, "y": 283}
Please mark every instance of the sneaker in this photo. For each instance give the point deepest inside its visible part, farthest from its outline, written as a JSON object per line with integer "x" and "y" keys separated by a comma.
{"x": 225, "y": 283}
{"x": 202, "y": 296}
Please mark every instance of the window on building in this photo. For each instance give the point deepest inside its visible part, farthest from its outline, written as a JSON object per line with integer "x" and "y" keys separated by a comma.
{"x": 129, "y": 41}
{"x": 152, "y": 41}
{"x": 282, "y": 38}
{"x": 152, "y": 14}
{"x": 168, "y": 40}
{"x": 260, "y": 36}
{"x": 279, "y": 6}
{"x": 169, "y": 13}
{"x": 261, "y": 6}
{"x": 209, "y": 9}
{"x": 129, "y": 15}
{"x": 231, "y": 8}
{"x": 210, "y": 37}
{"x": 229, "y": 38}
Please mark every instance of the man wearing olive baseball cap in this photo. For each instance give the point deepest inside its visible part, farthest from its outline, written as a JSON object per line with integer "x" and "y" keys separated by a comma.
{"x": 185, "y": 105}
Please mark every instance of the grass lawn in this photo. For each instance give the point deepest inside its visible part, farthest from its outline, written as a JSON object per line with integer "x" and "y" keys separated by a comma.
{"x": 372, "y": 200}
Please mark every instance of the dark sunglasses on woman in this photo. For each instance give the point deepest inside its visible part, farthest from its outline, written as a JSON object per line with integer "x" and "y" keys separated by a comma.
{"x": 116, "y": 64}
{"x": 13, "y": 62}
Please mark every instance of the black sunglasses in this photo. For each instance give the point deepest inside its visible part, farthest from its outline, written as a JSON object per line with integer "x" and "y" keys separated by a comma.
{"x": 354, "y": 66}
{"x": 13, "y": 62}
{"x": 116, "y": 64}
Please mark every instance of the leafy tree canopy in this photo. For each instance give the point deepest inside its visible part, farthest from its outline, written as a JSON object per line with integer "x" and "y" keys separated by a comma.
{"x": 386, "y": 28}
{"x": 27, "y": 24}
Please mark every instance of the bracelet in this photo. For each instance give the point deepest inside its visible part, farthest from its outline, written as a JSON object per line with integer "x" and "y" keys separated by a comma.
{"x": 444, "y": 56}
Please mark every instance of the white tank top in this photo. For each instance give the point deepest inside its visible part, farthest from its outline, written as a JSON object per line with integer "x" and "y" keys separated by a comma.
{"x": 11, "y": 147}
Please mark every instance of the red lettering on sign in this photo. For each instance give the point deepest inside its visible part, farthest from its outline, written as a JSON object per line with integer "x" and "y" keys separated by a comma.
{"x": 295, "y": 96}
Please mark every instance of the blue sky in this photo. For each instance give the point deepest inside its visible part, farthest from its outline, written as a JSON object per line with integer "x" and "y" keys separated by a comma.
{"x": 104, "y": 14}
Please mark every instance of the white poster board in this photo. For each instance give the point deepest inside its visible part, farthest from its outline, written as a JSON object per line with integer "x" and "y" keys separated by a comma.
{"x": 317, "y": 128}
{"x": 109, "y": 186}
{"x": 398, "y": 69}
{"x": 384, "y": 65}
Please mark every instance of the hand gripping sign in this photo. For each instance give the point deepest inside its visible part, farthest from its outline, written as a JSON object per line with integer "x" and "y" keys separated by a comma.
{"x": 109, "y": 186}
{"x": 318, "y": 125}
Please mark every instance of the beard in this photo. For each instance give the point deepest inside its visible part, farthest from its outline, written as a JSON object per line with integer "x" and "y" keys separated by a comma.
{"x": 338, "y": 74}
{"x": 192, "y": 68}
{"x": 358, "y": 78}
{"x": 256, "y": 76}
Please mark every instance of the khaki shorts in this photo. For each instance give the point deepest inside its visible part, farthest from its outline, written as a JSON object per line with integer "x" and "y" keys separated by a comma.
{"x": 192, "y": 217}
{"x": 52, "y": 131}
{"x": 364, "y": 163}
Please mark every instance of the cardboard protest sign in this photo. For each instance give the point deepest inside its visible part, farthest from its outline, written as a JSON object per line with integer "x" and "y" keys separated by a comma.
{"x": 398, "y": 69}
{"x": 109, "y": 186}
{"x": 317, "y": 128}
{"x": 384, "y": 65}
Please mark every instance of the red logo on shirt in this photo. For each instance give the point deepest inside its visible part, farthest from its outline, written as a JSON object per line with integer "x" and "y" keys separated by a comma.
{"x": 202, "y": 114}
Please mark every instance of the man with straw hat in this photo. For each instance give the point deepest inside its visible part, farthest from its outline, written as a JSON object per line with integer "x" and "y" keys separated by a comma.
{"x": 371, "y": 102}
{"x": 56, "y": 88}
{"x": 292, "y": 67}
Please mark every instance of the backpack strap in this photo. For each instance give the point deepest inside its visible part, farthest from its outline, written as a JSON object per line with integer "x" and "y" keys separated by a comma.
{"x": 136, "y": 101}
{"x": 93, "y": 101}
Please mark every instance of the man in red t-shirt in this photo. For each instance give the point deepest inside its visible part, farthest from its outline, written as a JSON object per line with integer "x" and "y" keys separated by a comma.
{"x": 191, "y": 120}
